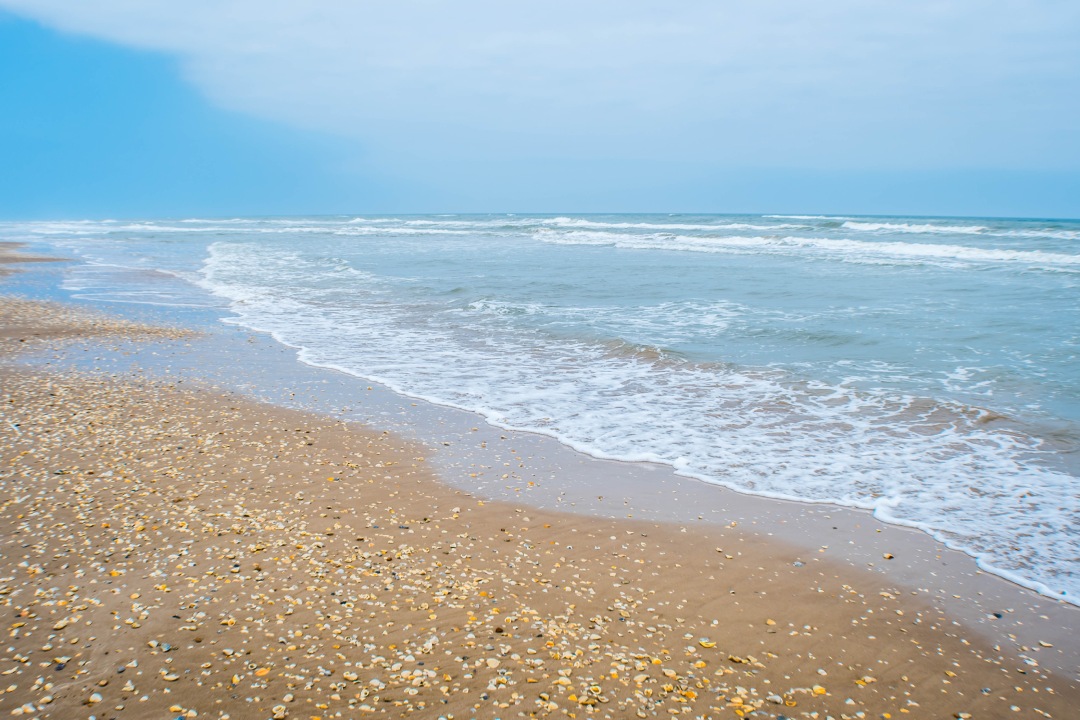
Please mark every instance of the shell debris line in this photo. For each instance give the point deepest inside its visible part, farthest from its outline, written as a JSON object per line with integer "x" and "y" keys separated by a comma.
{"x": 12, "y": 256}
{"x": 178, "y": 553}
{"x": 31, "y": 324}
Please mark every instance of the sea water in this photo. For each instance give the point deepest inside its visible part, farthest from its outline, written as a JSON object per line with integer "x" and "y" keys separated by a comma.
{"x": 926, "y": 369}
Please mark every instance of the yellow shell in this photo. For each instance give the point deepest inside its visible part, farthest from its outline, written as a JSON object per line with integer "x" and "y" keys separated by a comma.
{"x": 706, "y": 643}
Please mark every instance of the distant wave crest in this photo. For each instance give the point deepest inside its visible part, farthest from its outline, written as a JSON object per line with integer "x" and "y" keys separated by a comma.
{"x": 792, "y": 244}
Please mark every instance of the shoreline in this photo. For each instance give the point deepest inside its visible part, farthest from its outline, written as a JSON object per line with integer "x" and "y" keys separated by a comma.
{"x": 775, "y": 572}
{"x": 168, "y": 315}
{"x": 623, "y": 467}
{"x": 558, "y": 477}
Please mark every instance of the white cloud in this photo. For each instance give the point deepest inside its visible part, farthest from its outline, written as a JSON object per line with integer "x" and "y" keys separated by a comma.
{"x": 833, "y": 83}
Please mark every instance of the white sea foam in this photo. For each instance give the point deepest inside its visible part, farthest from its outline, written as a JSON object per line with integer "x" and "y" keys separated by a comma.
{"x": 870, "y": 226}
{"x": 665, "y": 324}
{"x": 1056, "y": 234}
{"x": 844, "y": 248}
{"x": 113, "y": 283}
{"x": 400, "y": 231}
{"x": 565, "y": 222}
{"x": 915, "y": 228}
{"x": 807, "y": 217}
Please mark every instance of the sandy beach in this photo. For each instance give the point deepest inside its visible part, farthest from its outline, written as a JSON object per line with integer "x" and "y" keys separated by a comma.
{"x": 176, "y": 551}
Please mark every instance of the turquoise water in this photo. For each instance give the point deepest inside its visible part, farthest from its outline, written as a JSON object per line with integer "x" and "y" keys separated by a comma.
{"x": 928, "y": 369}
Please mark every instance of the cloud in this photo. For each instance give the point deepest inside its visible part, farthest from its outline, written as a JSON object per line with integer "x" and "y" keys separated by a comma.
{"x": 829, "y": 84}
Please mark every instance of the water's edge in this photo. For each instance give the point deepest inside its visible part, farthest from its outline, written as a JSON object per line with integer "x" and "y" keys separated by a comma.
{"x": 562, "y": 478}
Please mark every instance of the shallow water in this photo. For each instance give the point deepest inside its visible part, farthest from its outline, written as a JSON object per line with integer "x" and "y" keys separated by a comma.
{"x": 924, "y": 368}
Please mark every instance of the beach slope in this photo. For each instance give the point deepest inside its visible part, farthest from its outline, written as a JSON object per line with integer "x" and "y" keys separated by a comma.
{"x": 170, "y": 551}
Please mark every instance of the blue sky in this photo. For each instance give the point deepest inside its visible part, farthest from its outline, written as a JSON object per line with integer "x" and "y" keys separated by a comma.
{"x": 155, "y": 108}
{"x": 91, "y": 129}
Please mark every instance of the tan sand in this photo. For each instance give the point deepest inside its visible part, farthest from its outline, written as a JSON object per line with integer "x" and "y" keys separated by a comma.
{"x": 32, "y": 321}
{"x": 171, "y": 552}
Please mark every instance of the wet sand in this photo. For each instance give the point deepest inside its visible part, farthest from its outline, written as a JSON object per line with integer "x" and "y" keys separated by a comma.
{"x": 174, "y": 551}
{"x": 11, "y": 253}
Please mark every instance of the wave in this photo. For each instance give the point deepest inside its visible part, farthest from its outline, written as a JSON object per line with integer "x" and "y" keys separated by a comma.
{"x": 855, "y": 249}
{"x": 1047, "y": 233}
{"x": 857, "y": 225}
{"x": 580, "y": 223}
{"x": 384, "y": 231}
{"x": 807, "y": 217}
{"x": 668, "y": 323}
{"x": 568, "y": 222}
{"x": 832, "y": 227}
{"x": 912, "y": 228}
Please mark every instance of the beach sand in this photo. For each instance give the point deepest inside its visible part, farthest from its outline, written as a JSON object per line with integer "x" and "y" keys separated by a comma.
{"x": 171, "y": 551}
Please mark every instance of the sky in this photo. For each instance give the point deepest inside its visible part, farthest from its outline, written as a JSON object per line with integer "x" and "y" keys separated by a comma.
{"x": 232, "y": 107}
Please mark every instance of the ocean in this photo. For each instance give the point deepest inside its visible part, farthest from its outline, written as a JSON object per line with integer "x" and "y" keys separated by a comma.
{"x": 927, "y": 369}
